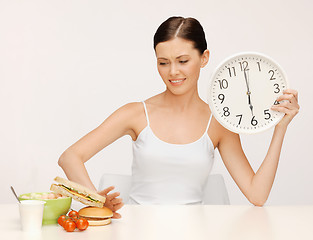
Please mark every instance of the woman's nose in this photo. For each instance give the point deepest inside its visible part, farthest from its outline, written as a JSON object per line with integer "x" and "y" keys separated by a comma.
{"x": 174, "y": 70}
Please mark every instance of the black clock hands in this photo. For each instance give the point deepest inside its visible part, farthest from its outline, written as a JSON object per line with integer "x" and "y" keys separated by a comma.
{"x": 246, "y": 74}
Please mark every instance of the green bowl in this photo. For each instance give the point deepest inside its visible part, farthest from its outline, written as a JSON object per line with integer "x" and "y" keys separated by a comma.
{"x": 53, "y": 207}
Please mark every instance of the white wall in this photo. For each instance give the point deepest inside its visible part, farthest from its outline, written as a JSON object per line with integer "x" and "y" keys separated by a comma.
{"x": 66, "y": 65}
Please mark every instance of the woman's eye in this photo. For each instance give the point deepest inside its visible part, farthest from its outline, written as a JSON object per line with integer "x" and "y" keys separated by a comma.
{"x": 185, "y": 61}
{"x": 162, "y": 63}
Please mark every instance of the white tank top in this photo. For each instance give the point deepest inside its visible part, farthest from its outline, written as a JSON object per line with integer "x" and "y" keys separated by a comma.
{"x": 165, "y": 173}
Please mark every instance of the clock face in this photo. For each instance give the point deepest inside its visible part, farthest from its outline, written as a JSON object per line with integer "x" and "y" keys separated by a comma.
{"x": 243, "y": 89}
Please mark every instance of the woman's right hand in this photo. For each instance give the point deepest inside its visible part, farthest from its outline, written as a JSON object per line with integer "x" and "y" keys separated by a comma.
{"x": 112, "y": 201}
{"x": 289, "y": 105}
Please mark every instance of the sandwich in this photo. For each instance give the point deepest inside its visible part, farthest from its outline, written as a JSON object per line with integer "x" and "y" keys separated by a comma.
{"x": 77, "y": 192}
{"x": 96, "y": 216}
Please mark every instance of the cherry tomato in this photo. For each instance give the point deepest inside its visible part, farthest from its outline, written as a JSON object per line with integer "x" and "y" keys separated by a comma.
{"x": 61, "y": 220}
{"x": 75, "y": 218}
{"x": 73, "y": 213}
{"x": 82, "y": 224}
{"x": 69, "y": 225}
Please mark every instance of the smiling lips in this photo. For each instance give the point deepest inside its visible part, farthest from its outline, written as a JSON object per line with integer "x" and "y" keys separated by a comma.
{"x": 177, "y": 82}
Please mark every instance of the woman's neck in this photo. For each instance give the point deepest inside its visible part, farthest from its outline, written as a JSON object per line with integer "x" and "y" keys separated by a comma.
{"x": 181, "y": 102}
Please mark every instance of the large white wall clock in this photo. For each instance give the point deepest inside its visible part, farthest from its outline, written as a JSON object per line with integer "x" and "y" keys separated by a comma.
{"x": 243, "y": 88}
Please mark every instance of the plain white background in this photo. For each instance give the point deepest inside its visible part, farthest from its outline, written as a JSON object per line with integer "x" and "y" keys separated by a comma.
{"x": 67, "y": 65}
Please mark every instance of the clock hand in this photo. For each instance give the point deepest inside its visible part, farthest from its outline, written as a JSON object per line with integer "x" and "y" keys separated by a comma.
{"x": 246, "y": 79}
{"x": 248, "y": 90}
{"x": 250, "y": 105}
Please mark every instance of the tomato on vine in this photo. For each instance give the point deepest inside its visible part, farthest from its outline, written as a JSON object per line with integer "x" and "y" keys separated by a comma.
{"x": 69, "y": 225}
{"x": 82, "y": 224}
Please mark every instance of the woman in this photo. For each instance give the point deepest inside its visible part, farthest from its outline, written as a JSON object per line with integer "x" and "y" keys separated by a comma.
{"x": 173, "y": 133}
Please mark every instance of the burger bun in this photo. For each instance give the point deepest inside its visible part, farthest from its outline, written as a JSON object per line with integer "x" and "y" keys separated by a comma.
{"x": 96, "y": 216}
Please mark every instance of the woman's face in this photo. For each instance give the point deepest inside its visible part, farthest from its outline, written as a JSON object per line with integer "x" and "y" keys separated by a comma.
{"x": 179, "y": 64}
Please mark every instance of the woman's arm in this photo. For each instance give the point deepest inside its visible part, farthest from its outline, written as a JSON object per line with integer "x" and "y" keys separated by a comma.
{"x": 118, "y": 124}
{"x": 257, "y": 186}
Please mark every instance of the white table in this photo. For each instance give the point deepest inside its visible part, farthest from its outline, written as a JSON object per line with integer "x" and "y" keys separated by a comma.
{"x": 195, "y": 222}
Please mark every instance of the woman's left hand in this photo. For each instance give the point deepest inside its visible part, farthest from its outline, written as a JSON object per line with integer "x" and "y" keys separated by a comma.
{"x": 290, "y": 106}
{"x": 112, "y": 201}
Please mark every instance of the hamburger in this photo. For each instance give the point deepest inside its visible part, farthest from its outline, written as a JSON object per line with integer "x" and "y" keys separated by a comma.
{"x": 96, "y": 216}
{"x": 77, "y": 192}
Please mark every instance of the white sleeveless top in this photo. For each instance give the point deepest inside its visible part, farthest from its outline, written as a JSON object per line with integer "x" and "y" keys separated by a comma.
{"x": 165, "y": 173}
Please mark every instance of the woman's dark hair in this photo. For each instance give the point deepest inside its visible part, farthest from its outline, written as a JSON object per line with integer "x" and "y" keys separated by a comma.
{"x": 186, "y": 28}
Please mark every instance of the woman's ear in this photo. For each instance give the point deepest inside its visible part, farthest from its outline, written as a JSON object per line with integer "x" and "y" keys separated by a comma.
{"x": 205, "y": 58}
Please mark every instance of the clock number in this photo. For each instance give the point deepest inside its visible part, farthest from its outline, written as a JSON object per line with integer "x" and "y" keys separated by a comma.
{"x": 226, "y": 111}
{"x": 244, "y": 66}
{"x": 223, "y": 84}
{"x": 254, "y": 122}
{"x": 268, "y": 115}
{"x": 272, "y": 72}
{"x": 240, "y": 117}
{"x": 231, "y": 70}
{"x": 221, "y": 97}
{"x": 259, "y": 66}
{"x": 276, "y": 103}
{"x": 277, "y": 89}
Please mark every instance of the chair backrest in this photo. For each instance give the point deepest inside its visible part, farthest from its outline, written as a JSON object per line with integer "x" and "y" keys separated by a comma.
{"x": 121, "y": 183}
{"x": 215, "y": 191}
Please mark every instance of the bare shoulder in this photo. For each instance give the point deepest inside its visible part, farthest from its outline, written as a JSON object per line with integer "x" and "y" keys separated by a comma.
{"x": 155, "y": 100}
{"x": 133, "y": 113}
{"x": 131, "y": 108}
{"x": 220, "y": 134}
